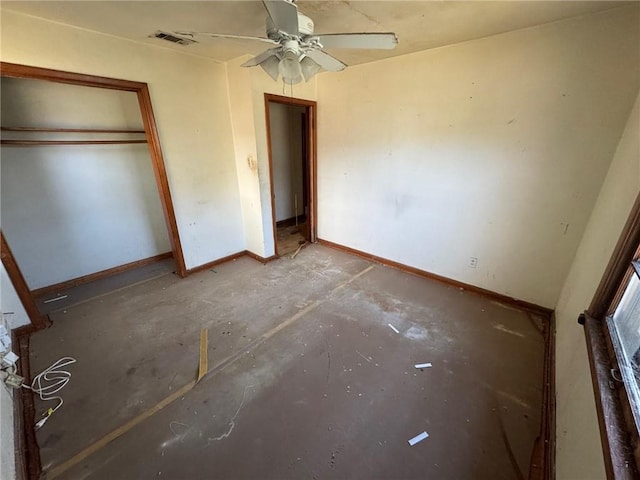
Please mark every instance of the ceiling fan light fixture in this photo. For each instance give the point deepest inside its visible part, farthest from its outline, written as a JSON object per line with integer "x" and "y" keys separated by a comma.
{"x": 289, "y": 67}
{"x": 309, "y": 68}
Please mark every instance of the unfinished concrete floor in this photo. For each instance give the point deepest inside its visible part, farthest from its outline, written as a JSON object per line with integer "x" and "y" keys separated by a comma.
{"x": 306, "y": 379}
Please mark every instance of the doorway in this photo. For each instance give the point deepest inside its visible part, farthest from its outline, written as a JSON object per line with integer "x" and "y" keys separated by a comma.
{"x": 291, "y": 140}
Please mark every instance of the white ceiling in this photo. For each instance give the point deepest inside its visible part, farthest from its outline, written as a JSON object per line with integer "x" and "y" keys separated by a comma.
{"x": 420, "y": 25}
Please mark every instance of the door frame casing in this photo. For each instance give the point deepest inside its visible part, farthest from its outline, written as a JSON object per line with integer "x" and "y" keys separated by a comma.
{"x": 141, "y": 90}
{"x": 311, "y": 108}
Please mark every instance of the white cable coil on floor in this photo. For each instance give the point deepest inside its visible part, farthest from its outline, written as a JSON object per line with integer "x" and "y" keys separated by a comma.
{"x": 49, "y": 382}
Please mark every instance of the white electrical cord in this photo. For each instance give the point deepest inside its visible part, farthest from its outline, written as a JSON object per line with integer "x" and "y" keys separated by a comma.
{"x": 49, "y": 382}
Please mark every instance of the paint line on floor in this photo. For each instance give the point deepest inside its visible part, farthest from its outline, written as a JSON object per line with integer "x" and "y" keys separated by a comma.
{"x": 93, "y": 448}
{"x": 514, "y": 399}
{"x": 504, "y": 329}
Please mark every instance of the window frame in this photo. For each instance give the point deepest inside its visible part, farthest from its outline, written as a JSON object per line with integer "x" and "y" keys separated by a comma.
{"x": 619, "y": 435}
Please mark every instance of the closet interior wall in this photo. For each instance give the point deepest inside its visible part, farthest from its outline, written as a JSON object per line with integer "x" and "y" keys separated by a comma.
{"x": 78, "y": 192}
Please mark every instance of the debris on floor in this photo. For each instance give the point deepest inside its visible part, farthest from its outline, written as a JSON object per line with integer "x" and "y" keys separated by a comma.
{"x": 418, "y": 438}
{"x": 422, "y": 365}
{"x": 393, "y": 328}
{"x": 55, "y": 299}
{"x": 368, "y": 359}
{"x": 203, "y": 367}
{"x": 302, "y": 244}
{"x": 49, "y": 382}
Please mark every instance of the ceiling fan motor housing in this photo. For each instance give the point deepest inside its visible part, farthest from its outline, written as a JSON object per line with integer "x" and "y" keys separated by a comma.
{"x": 305, "y": 27}
{"x": 305, "y": 24}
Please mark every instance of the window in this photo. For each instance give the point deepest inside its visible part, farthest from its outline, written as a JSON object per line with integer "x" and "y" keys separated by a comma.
{"x": 612, "y": 331}
{"x": 624, "y": 328}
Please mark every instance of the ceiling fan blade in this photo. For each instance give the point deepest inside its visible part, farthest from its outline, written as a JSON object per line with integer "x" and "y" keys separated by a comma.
{"x": 283, "y": 14}
{"x": 379, "y": 41}
{"x": 224, "y": 35}
{"x": 257, "y": 60}
{"x": 325, "y": 60}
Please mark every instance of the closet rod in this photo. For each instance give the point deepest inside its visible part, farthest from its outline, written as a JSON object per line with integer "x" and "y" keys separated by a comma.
{"x": 67, "y": 130}
{"x": 26, "y": 143}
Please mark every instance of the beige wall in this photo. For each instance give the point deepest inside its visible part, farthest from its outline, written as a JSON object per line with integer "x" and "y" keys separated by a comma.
{"x": 494, "y": 148}
{"x": 191, "y": 107}
{"x": 579, "y": 454}
{"x": 246, "y": 156}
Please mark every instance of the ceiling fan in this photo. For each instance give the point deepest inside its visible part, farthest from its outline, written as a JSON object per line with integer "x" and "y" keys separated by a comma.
{"x": 296, "y": 51}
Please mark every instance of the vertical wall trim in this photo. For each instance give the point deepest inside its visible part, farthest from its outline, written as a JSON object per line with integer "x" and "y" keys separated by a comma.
{"x": 37, "y": 320}
{"x": 161, "y": 177}
{"x": 272, "y": 190}
{"x": 619, "y": 264}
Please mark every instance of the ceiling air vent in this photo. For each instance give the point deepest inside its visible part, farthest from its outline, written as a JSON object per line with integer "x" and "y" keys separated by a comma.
{"x": 171, "y": 38}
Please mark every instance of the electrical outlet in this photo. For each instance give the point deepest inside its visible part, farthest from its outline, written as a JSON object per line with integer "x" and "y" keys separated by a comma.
{"x": 14, "y": 380}
{"x": 473, "y": 262}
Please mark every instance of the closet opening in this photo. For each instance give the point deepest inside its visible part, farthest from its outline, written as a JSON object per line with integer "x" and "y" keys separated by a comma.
{"x": 84, "y": 190}
{"x": 291, "y": 138}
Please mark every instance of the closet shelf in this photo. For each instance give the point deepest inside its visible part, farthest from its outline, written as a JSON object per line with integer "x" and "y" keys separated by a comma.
{"x": 68, "y": 130}
{"x": 25, "y": 143}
